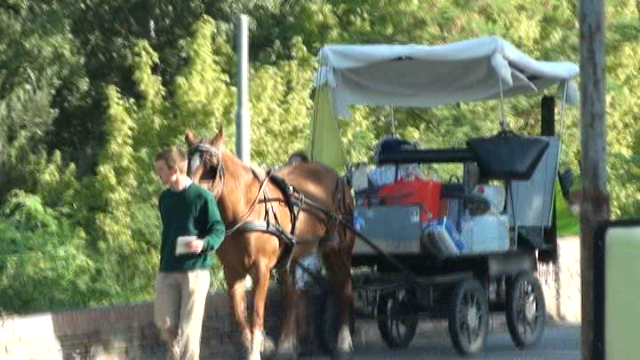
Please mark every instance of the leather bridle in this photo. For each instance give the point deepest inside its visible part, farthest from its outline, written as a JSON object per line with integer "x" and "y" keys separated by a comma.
{"x": 202, "y": 154}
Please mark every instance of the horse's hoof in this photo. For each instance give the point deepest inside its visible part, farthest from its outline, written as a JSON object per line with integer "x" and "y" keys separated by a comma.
{"x": 286, "y": 354}
{"x": 305, "y": 350}
{"x": 287, "y": 350}
{"x": 268, "y": 346}
{"x": 254, "y": 355}
{"x": 268, "y": 351}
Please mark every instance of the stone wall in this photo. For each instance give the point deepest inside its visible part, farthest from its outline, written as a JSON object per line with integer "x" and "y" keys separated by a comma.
{"x": 127, "y": 331}
{"x": 561, "y": 282}
{"x": 120, "y": 332}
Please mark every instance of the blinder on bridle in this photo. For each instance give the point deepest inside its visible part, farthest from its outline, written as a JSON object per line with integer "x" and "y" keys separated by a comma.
{"x": 207, "y": 155}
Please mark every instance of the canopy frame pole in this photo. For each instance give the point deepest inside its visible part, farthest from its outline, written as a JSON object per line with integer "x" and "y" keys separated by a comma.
{"x": 316, "y": 100}
{"x": 393, "y": 123}
{"x": 560, "y": 135}
{"x": 503, "y": 124}
{"x": 509, "y": 184}
{"x": 562, "y": 110}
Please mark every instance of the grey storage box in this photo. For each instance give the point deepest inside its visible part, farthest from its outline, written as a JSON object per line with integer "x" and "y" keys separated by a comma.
{"x": 394, "y": 229}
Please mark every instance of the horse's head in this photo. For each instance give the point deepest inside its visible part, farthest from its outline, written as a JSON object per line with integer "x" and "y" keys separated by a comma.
{"x": 205, "y": 166}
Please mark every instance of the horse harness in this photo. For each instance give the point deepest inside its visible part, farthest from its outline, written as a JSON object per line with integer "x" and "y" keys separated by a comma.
{"x": 292, "y": 197}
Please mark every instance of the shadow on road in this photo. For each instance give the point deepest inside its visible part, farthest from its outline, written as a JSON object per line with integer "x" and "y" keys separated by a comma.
{"x": 559, "y": 342}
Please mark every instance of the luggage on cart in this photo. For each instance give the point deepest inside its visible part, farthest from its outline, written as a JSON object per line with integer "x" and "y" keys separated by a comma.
{"x": 395, "y": 229}
{"x": 486, "y": 233}
{"x": 441, "y": 239}
{"x": 423, "y": 193}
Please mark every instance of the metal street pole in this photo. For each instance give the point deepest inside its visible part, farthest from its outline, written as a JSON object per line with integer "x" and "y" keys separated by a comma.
{"x": 243, "y": 125}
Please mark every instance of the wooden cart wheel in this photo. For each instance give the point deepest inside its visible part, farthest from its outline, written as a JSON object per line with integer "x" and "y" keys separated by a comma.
{"x": 327, "y": 322}
{"x": 526, "y": 310}
{"x": 469, "y": 317}
{"x": 397, "y": 318}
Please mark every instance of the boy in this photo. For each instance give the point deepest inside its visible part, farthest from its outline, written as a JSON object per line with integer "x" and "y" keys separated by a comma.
{"x": 190, "y": 213}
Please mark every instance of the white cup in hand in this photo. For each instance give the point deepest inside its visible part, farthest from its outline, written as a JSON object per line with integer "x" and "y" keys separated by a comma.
{"x": 182, "y": 244}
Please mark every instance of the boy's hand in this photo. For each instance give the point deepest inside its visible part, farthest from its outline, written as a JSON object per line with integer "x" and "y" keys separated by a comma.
{"x": 196, "y": 246}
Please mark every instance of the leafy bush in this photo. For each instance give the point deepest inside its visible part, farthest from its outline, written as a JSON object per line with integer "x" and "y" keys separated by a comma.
{"x": 43, "y": 263}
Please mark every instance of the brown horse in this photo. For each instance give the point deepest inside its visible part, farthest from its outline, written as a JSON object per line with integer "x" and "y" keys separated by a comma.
{"x": 250, "y": 197}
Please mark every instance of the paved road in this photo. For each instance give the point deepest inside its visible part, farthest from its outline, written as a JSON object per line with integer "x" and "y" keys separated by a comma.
{"x": 559, "y": 342}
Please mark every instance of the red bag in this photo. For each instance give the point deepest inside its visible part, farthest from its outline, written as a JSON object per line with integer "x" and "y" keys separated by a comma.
{"x": 425, "y": 193}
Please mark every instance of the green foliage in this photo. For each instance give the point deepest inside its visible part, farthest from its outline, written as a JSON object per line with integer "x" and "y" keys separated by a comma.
{"x": 24, "y": 118}
{"x": 567, "y": 224}
{"x": 280, "y": 107}
{"x": 203, "y": 96}
{"x": 625, "y": 189}
{"x": 42, "y": 260}
{"x": 36, "y": 44}
{"x": 623, "y": 118}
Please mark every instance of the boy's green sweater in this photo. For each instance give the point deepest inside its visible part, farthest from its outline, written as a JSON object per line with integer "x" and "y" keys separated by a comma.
{"x": 192, "y": 211}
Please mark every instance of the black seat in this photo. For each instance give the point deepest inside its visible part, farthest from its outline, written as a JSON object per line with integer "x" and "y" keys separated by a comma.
{"x": 507, "y": 156}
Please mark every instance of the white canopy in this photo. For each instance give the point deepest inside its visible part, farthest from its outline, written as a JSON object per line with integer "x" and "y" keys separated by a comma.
{"x": 422, "y": 76}
{"x": 426, "y": 76}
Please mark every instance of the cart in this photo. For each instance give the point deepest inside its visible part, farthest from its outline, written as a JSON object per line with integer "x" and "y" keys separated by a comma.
{"x": 408, "y": 263}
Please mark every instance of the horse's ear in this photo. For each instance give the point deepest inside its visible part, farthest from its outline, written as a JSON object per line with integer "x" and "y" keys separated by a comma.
{"x": 219, "y": 138}
{"x": 189, "y": 138}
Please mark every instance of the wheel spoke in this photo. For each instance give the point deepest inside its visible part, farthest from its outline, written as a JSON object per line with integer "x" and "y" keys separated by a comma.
{"x": 534, "y": 321}
{"x": 471, "y": 334}
{"x": 389, "y": 320}
{"x": 398, "y": 331}
{"x": 408, "y": 319}
{"x": 530, "y": 325}
{"x": 461, "y": 319}
{"x": 522, "y": 322}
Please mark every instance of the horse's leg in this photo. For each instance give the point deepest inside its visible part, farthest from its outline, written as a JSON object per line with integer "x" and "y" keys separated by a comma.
{"x": 236, "y": 286}
{"x": 260, "y": 289}
{"x": 287, "y": 345}
{"x": 345, "y": 343}
{"x": 338, "y": 263}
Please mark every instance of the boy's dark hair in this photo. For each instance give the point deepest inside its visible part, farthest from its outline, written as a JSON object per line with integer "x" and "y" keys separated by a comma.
{"x": 174, "y": 157}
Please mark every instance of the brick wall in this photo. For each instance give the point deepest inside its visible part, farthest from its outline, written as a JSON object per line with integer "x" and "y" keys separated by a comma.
{"x": 127, "y": 331}
{"x": 119, "y": 332}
